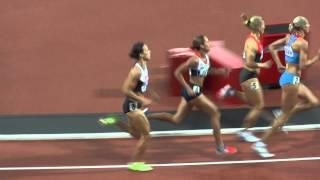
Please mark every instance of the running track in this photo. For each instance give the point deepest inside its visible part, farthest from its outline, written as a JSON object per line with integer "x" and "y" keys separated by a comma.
{"x": 297, "y": 157}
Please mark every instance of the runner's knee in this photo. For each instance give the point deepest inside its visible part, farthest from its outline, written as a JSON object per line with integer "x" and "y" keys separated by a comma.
{"x": 176, "y": 119}
{"x": 315, "y": 102}
{"x": 215, "y": 113}
{"x": 278, "y": 123}
{"x": 145, "y": 137}
{"x": 259, "y": 106}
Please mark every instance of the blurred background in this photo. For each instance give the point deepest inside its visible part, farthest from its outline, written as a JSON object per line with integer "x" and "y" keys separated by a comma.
{"x": 71, "y": 56}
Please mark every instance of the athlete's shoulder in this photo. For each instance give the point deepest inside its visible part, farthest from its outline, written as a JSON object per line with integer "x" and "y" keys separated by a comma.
{"x": 250, "y": 39}
{"x": 302, "y": 43}
{"x": 135, "y": 71}
{"x": 251, "y": 44}
{"x": 193, "y": 60}
{"x": 287, "y": 37}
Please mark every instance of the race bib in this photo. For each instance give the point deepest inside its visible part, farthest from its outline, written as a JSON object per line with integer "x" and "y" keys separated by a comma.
{"x": 254, "y": 85}
{"x": 288, "y": 51}
{"x": 296, "y": 80}
{"x": 196, "y": 89}
{"x": 133, "y": 106}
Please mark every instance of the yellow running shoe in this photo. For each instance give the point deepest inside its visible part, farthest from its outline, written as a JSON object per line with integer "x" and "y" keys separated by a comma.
{"x": 106, "y": 121}
{"x": 139, "y": 166}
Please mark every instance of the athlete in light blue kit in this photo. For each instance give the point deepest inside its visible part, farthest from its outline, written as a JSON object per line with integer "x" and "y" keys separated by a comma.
{"x": 296, "y": 48}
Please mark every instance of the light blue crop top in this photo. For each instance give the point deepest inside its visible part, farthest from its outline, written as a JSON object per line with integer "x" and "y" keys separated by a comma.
{"x": 290, "y": 55}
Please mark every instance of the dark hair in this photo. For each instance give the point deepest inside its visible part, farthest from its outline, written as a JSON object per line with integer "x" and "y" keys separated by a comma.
{"x": 136, "y": 50}
{"x": 197, "y": 42}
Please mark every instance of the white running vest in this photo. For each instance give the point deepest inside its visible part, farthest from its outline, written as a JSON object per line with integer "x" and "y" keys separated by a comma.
{"x": 202, "y": 67}
{"x": 144, "y": 77}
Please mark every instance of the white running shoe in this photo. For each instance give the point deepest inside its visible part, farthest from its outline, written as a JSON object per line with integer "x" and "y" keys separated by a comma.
{"x": 248, "y": 136}
{"x": 226, "y": 91}
{"x": 277, "y": 113}
{"x": 261, "y": 149}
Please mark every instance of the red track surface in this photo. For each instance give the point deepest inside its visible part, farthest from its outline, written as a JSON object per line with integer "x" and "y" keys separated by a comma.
{"x": 162, "y": 150}
{"x": 66, "y": 62}
{"x": 71, "y": 56}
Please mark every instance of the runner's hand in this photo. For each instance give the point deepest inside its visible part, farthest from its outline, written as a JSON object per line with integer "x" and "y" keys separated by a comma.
{"x": 190, "y": 92}
{"x": 281, "y": 68}
{"x": 267, "y": 64}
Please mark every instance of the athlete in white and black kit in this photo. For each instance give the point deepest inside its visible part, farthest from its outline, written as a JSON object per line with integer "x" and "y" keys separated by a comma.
{"x": 134, "y": 89}
{"x": 192, "y": 96}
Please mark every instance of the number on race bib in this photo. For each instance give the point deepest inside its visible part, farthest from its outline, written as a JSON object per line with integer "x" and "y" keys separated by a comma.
{"x": 254, "y": 85}
{"x": 133, "y": 106}
{"x": 296, "y": 80}
{"x": 288, "y": 51}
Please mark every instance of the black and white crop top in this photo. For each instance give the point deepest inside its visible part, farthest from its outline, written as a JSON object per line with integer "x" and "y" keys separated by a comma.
{"x": 203, "y": 67}
{"x": 143, "y": 81}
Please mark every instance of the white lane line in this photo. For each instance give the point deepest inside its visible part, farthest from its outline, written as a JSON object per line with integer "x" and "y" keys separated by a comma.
{"x": 70, "y": 136}
{"x": 160, "y": 165}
